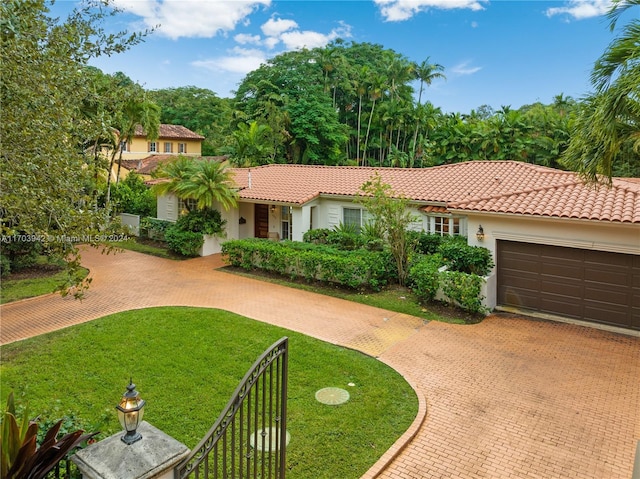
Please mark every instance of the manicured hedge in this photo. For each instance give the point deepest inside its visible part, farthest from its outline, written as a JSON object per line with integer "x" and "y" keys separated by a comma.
{"x": 354, "y": 269}
{"x": 463, "y": 289}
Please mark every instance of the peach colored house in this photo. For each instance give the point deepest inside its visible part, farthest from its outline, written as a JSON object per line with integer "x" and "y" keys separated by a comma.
{"x": 172, "y": 140}
{"x": 143, "y": 155}
{"x": 560, "y": 247}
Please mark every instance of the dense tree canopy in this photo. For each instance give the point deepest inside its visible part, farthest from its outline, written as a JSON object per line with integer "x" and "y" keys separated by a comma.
{"x": 198, "y": 109}
{"x": 45, "y": 122}
{"x": 605, "y": 138}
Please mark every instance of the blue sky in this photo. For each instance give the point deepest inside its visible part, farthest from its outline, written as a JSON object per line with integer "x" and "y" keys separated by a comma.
{"x": 495, "y": 52}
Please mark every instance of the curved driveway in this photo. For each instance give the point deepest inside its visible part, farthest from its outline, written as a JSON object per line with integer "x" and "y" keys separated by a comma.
{"x": 507, "y": 398}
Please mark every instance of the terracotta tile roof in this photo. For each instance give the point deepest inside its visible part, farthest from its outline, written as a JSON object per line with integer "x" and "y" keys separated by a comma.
{"x": 619, "y": 202}
{"x": 171, "y": 131}
{"x": 149, "y": 164}
{"x": 495, "y": 186}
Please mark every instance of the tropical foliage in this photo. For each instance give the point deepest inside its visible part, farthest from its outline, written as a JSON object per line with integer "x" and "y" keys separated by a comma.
{"x": 391, "y": 217}
{"x": 198, "y": 109}
{"x": 605, "y": 139}
{"x": 49, "y": 118}
{"x": 207, "y": 182}
{"x": 20, "y": 454}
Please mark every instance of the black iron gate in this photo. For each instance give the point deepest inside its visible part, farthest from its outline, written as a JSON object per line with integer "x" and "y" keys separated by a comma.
{"x": 249, "y": 438}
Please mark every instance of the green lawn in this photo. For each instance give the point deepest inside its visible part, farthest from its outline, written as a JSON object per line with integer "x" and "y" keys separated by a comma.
{"x": 186, "y": 362}
{"x": 150, "y": 247}
{"x": 43, "y": 282}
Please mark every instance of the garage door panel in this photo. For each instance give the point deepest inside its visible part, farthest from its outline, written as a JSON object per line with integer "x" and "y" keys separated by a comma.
{"x": 606, "y": 293}
{"x": 591, "y": 285}
{"x": 605, "y": 313}
{"x": 562, "y": 269}
{"x": 556, "y": 304}
{"x": 519, "y": 263}
{"x": 606, "y": 273}
{"x": 519, "y": 298}
{"x": 553, "y": 284}
{"x": 525, "y": 282}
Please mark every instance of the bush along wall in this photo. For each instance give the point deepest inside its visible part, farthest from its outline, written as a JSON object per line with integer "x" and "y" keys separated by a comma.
{"x": 186, "y": 236}
{"x": 464, "y": 290}
{"x": 354, "y": 269}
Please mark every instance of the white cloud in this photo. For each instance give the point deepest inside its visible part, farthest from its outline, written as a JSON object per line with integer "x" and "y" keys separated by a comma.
{"x": 277, "y": 31}
{"x": 245, "y": 38}
{"x": 580, "y": 9}
{"x": 241, "y": 61}
{"x": 464, "y": 69}
{"x": 307, "y": 39}
{"x": 399, "y": 10}
{"x": 191, "y": 18}
{"x": 274, "y": 27}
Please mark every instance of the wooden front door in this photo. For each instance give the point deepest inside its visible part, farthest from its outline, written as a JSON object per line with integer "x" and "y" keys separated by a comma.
{"x": 261, "y": 216}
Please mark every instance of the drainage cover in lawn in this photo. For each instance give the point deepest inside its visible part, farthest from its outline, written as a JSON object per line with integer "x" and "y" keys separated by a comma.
{"x": 332, "y": 396}
{"x": 270, "y": 439}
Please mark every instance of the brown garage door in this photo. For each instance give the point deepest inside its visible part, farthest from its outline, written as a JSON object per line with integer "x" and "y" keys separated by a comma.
{"x": 582, "y": 284}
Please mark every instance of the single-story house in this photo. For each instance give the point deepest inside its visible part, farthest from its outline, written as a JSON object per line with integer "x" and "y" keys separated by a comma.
{"x": 561, "y": 247}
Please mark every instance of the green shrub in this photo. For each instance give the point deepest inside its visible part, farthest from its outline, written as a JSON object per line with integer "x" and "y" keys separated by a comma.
{"x": 21, "y": 251}
{"x": 459, "y": 256}
{"x": 5, "y": 266}
{"x": 464, "y": 289}
{"x": 186, "y": 243}
{"x": 424, "y": 277}
{"x": 354, "y": 269}
{"x": 132, "y": 196}
{"x": 426, "y": 243}
{"x": 344, "y": 240}
{"x": 206, "y": 221}
{"x": 154, "y": 228}
{"x": 316, "y": 236}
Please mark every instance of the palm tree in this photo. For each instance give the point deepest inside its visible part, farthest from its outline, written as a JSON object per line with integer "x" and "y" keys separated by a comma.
{"x": 210, "y": 182}
{"x": 207, "y": 182}
{"x": 609, "y": 118}
{"x": 425, "y": 72}
{"x": 135, "y": 112}
{"x": 376, "y": 88}
{"x": 175, "y": 172}
{"x": 360, "y": 87}
{"x": 253, "y": 144}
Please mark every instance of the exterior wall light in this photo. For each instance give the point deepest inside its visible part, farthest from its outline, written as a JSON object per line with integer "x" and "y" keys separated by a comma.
{"x": 480, "y": 233}
{"x": 130, "y": 412}
{"x": 273, "y": 208}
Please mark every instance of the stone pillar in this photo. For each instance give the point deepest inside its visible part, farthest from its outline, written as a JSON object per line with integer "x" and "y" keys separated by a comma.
{"x": 152, "y": 457}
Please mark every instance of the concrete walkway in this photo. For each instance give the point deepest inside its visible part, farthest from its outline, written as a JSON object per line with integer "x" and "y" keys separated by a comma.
{"x": 510, "y": 397}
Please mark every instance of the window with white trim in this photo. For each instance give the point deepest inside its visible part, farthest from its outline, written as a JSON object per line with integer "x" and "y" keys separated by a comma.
{"x": 446, "y": 225}
{"x": 124, "y": 146}
{"x": 182, "y": 147}
{"x": 352, "y": 217}
{"x": 186, "y": 205}
{"x": 153, "y": 147}
{"x": 285, "y": 215}
{"x": 168, "y": 147}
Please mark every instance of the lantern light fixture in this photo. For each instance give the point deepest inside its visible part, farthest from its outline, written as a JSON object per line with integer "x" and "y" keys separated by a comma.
{"x": 130, "y": 412}
{"x": 480, "y": 233}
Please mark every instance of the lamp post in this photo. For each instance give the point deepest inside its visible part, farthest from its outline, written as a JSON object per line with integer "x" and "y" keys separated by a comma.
{"x": 130, "y": 412}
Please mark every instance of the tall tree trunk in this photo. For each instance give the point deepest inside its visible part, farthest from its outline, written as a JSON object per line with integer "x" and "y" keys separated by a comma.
{"x": 358, "y": 140}
{"x": 366, "y": 138}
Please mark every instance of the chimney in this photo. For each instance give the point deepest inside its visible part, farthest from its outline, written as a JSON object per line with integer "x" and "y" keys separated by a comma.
{"x": 249, "y": 178}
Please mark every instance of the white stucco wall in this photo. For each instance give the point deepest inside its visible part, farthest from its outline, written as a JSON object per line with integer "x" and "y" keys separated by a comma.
{"x": 595, "y": 235}
{"x": 167, "y": 207}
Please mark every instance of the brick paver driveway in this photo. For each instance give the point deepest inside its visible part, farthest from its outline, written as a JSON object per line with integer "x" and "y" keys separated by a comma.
{"x": 508, "y": 398}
